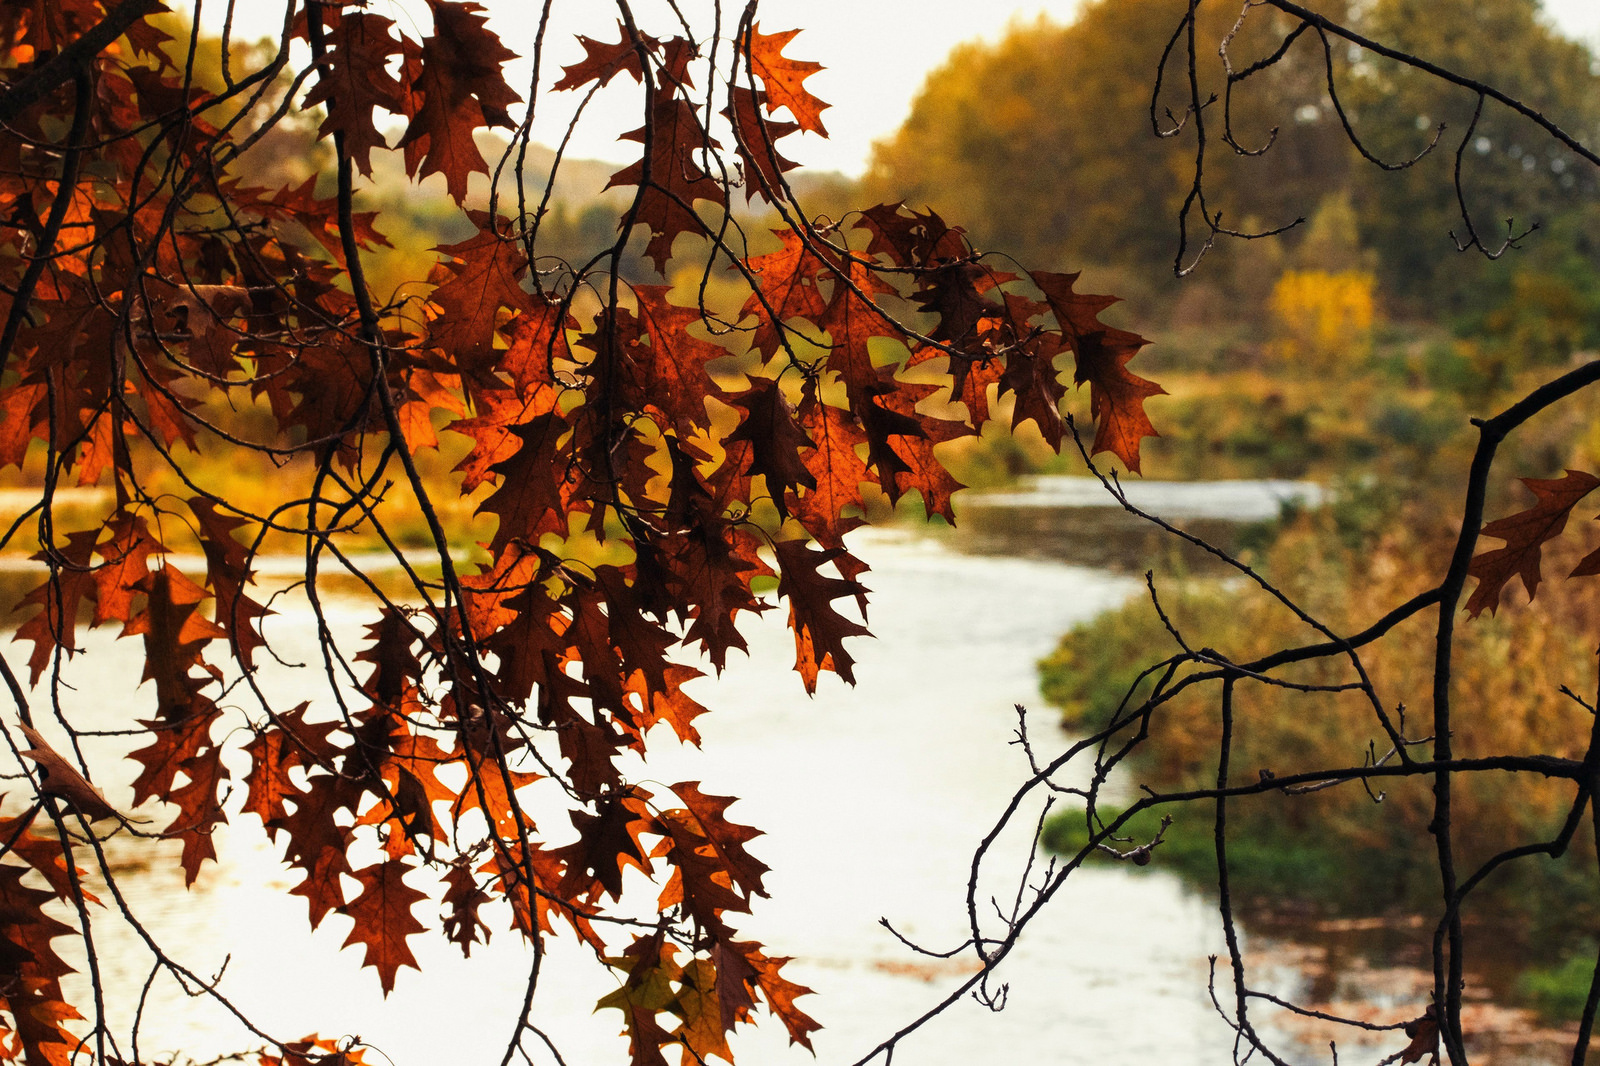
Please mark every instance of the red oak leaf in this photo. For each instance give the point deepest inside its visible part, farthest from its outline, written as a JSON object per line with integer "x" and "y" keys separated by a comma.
{"x": 756, "y": 141}
{"x": 728, "y": 838}
{"x": 788, "y": 281}
{"x": 1525, "y": 534}
{"x": 776, "y": 441}
{"x": 383, "y": 919}
{"x": 819, "y": 630}
{"x": 355, "y": 80}
{"x": 602, "y": 62}
{"x": 783, "y": 78}
{"x": 1116, "y": 396}
{"x": 671, "y": 178}
{"x": 459, "y": 77}
{"x": 836, "y": 466}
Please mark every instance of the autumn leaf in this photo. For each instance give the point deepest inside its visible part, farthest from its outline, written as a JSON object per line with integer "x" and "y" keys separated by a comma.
{"x": 776, "y": 442}
{"x": 783, "y": 78}
{"x": 529, "y": 502}
{"x": 669, "y": 373}
{"x": 1116, "y": 395}
{"x": 728, "y": 838}
{"x": 18, "y": 404}
{"x": 699, "y": 1004}
{"x": 60, "y": 778}
{"x": 283, "y": 745}
{"x": 608, "y": 841}
{"x": 463, "y": 897}
{"x": 493, "y": 431}
{"x": 788, "y": 280}
{"x": 764, "y": 973}
{"x": 175, "y": 633}
{"x": 458, "y": 76}
{"x": 647, "y": 992}
{"x": 837, "y": 468}
{"x": 356, "y": 81}
{"x": 853, "y": 321}
{"x": 484, "y": 276}
{"x": 125, "y": 569}
{"x": 910, "y": 238}
{"x": 383, "y": 919}
{"x": 33, "y": 994}
{"x": 601, "y": 62}
{"x": 819, "y": 630}
{"x": 671, "y": 177}
{"x": 1424, "y": 1034}
{"x": 918, "y": 468}
{"x": 54, "y": 625}
{"x": 1525, "y": 534}
{"x": 755, "y": 139}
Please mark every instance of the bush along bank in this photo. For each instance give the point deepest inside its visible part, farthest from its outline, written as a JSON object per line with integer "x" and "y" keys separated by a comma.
{"x": 1342, "y": 851}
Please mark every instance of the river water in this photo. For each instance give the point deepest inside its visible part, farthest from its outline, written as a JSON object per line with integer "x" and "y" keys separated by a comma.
{"x": 872, "y": 799}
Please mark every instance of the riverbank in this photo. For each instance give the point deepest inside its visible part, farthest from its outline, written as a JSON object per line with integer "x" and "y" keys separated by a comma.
{"x": 1335, "y": 855}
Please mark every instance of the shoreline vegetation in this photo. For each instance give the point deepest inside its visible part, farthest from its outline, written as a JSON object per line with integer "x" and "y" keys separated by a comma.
{"x": 1339, "y": 853}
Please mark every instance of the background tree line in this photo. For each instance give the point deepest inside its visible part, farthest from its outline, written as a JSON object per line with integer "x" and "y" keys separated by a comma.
{"x": 1043, "y": 140}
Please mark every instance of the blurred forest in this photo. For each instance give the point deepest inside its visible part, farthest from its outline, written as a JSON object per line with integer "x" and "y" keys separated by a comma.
{"x": 1043, "y": 141}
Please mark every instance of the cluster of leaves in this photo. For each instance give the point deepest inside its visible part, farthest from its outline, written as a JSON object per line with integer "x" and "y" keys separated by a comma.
{"x": 149, "y": 284}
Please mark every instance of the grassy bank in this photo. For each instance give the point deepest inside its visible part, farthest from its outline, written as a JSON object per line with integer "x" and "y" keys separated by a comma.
{"x": 1337, "y": 852}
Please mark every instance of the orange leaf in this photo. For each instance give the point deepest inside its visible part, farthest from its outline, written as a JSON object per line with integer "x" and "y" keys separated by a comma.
{"x": 783, "y": 77}
{"x": 601, "y": 62}
{"x": 1116, "y": 396}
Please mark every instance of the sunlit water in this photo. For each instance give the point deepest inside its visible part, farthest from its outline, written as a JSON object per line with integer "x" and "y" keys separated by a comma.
{"x": 872, "y": 799}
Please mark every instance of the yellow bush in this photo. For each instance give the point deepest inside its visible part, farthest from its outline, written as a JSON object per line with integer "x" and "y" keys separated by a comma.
{"x": 1322, "y": 318}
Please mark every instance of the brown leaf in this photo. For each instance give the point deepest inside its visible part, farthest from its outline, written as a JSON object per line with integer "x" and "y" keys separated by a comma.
{"x": 607, "y": 842}
{"x": 355, "y": 80}
{"x": 58, "y": 777}
{"x": 837, "y": 467}
{"x": 463, "y": 897}
{"x": 676, "y": 180}
{"x": 484, "y": 275}
{"x": 776, "y": 441}
{"x": 788, "y": 283}
{"x": 819, "y": 630}
{"x": 1424, "y": 1034}
{"x": 1116, "y": 396}
{"x": 601, "y": 62}
{"x": 728, "y": 838}
{"x": 755, "y": 139}
{"x": 459, "y": 78}
{"x": 1525, "y": 534}
{"x": 383, "y": 919}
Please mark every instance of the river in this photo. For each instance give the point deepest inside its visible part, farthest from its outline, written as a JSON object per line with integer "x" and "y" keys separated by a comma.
{"x": 872, "y": 799}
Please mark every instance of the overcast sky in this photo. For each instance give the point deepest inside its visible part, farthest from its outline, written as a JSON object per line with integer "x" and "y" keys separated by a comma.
{"x": 876, "y": 54}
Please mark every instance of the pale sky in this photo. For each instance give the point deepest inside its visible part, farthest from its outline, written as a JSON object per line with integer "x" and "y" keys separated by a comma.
{"x": 876, "y": 54}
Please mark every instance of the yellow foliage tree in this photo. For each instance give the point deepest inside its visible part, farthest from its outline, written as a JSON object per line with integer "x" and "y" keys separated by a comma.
{"x": 1322, "y": 318}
